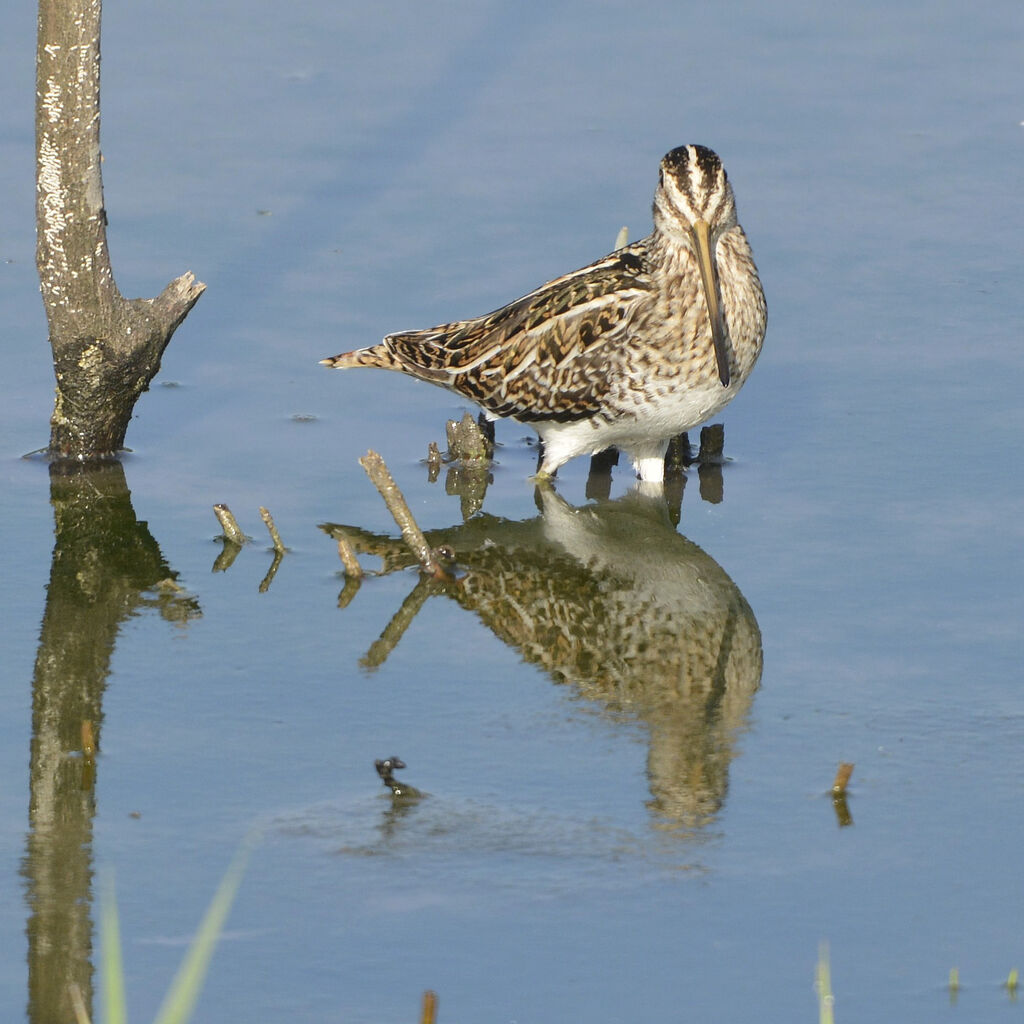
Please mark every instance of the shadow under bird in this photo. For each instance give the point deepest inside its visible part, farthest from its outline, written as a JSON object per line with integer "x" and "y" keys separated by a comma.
{"x": 630, "y": 351}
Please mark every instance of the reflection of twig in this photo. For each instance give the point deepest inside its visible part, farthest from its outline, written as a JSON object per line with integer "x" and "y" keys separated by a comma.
{"x": 268, "y": 521}
{"x": 392, "y": 551}
{"x": 400, "y": 622}
{"x": 382, "y": 479}
{"x": 271, "y": 572}
{"x": 843, "y": 816}
{"x": 227, "y": 556}
{"x": 351, "y": 588}
{"x": 229, "y": 524}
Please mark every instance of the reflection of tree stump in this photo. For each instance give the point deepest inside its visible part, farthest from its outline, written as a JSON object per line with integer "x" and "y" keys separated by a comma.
{"x": 106, "y": 348}
{"x": 106, "y": 565}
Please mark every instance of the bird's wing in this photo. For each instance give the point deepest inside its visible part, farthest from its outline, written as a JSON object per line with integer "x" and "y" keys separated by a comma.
{"x": 543, "y": 356}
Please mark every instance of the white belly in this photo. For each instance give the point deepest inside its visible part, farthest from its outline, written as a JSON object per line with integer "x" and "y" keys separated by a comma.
{"x": 642, "y": 430}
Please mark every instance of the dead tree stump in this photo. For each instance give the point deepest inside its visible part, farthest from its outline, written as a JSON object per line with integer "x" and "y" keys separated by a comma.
{"x": 106, "y": 348}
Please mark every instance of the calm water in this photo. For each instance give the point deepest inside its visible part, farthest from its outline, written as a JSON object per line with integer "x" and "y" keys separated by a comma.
{"x": 596, "y": 844}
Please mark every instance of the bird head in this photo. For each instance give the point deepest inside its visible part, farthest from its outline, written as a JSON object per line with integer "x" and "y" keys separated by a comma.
{"x": 694, "y": 203}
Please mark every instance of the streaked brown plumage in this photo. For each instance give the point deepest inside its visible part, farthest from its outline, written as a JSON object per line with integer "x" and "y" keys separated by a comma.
{"x": 630, "y": 351}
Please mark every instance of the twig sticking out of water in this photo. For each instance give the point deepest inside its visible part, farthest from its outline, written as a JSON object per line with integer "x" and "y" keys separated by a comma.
{"x": 712, "y": 444}
{"x": 467, "y": 441}
{"x": 381, "y": 478}
{"x": 843, "y": 774}
{"x": 228, "y": 523}
{"x": 433, "y": 460}
{"x": 839, "y": 804}
{"x": 268, "y": 521}
{"x": 429, "y": 1014}
{"x": 470, "y": 451}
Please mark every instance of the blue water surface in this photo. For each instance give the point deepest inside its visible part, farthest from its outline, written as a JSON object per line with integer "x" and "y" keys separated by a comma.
{"x": 333, "y": 172}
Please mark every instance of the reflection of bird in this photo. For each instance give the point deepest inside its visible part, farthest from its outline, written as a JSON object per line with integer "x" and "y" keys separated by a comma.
{"x": 610, "y": 599}
{"x": 641, "y": 620}
{"x": 629, "y": 351}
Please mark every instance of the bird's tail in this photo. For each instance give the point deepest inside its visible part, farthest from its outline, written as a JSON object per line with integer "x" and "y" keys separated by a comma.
{"x": 379, "y": 356}
{"x": 407, "y": 352}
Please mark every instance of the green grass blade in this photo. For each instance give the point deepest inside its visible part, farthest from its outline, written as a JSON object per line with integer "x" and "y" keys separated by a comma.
{"x": 113, "y": 965}
{"x": 823, "y": 984}
{"x": 181, "y": 997}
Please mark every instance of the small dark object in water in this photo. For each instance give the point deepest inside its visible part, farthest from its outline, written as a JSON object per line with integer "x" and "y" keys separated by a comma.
{"x": 839, "y": 803}
{"x": 386, "y": 770}
{"x": 433, "y": 460}
{"x": 445, "y": 555}
{"x": 387, "y": 767}
{"x": 712, "y": 444}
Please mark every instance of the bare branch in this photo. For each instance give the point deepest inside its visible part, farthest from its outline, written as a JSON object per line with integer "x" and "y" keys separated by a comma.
{"x": 381, "y": 478}
{"x": 228, "y": 523}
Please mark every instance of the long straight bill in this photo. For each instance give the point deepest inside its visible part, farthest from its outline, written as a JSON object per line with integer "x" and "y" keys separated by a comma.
{"x": 709, "y": 277}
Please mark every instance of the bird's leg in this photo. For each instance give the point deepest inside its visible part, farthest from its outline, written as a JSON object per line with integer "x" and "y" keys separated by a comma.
{"x": 649, "y": 460}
